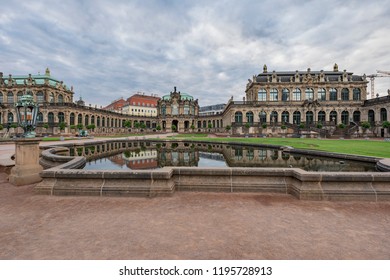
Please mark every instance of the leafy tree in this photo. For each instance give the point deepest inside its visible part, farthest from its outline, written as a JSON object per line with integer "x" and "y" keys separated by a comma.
{"x": 158, "y": 127}
{"x": 80, "y": 126}
{"x": 62, "y": 125}
{"x": 127, "y": 124}
{"x": 366, "y": 125}
{"x": 91, "y": 126}
{"x": 386, "y": 124}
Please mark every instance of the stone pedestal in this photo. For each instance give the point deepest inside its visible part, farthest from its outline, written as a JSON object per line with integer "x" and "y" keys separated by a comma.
{"x": 26, "y": 170}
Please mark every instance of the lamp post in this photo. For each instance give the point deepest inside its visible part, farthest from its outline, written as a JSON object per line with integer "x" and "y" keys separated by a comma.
{"x": 27, "y": 168}
{"x": 27, "y": 113}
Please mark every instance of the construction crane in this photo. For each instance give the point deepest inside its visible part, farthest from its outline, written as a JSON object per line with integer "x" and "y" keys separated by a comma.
{"x": 372, "y": 78}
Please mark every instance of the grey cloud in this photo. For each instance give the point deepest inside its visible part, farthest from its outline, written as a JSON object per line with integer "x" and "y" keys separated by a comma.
{"x": 112, "y": 49}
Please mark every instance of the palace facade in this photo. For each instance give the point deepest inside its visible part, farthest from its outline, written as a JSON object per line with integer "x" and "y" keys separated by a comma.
{"x": 285, "y": 103}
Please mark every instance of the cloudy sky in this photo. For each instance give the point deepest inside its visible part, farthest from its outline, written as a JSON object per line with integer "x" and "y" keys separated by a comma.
{"x": 112, "y": 49}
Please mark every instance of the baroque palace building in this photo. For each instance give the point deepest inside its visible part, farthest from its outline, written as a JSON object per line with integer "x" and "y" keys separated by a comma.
{"x": 285, "y": 103}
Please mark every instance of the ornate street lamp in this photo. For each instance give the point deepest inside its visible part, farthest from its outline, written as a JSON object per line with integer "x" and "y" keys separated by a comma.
{"x": 27, "y": 113}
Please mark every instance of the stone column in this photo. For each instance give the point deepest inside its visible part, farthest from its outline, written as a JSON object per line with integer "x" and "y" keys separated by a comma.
{"x": 26, "y": 170}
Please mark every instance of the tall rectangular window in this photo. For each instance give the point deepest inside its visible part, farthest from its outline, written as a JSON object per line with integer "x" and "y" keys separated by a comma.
{"x": 262, "y": 95}
{"x": 297, "y": 94}
{"x": 333, "y": 94}
{"x": 273, "y": 94}
{"x": 321, "y": 94}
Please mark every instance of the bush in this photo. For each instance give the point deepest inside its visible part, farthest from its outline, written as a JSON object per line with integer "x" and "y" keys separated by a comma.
{"x": 158, "y": 127}
{"x": 79, "y": 126}
{"x": 1, "y": 127}
{"x": 319, "y": 125}
{"x": 283, "y": 127}
{"x": 386, "y": 124}
{"x": 247, "y": 125}
{"x": 228, "y": 127}
{"x": 365, "y": 125}
{"x": 62, "y": 125}
{"x": 14, "y": 125}
{"x": 72, "y": 126}
{"x": 341, "y": 125}
{"x": 91, "y": 126}
{"x": 45, "y": 126}
{"x": 264, "y": 125}
{"x": 302, "y": 126}
{"x": 174, "y": 127}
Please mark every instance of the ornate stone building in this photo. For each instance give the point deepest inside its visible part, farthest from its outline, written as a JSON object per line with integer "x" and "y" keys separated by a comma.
{"x": 276, "y": 103}
{"x": 314, "y": 100}
{"x": 177, "y": 110}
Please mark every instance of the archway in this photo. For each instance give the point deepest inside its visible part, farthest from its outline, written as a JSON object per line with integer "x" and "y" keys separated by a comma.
{"x": 175, "y": 125}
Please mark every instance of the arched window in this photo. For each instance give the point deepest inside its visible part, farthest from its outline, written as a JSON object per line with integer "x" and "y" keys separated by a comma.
{"x": 371, "y": 116}
{"x": 274, "y": 117}
{"x": 333, "y": 94}
{"x": 333, "y": 117}
{"x": 186, "y": 109}
{"x": 297, "y": 94}
{"x": 263, "y": 117}
{"x": 80, "y": 119}
{"x": 356, "y": 116}
{"x": 86, "y": 120}
{"x": 238, "y": 117}
{"x": 10, "y": 97}
{"x": 262, "y": 95}
{"x": 103, "y": 121}
{"x": 321, "y": 116}
{"x": 71, "y": 118}
{"x": 98, "y": 121}
{"x": 383, "y": 114}
{"x": 50, "y": 118}
{"x": 345, "y": 94}
{"x": 309, "y": 117}
{"x": 1, "y": 98}
{"x": 345, "y": 117}
{"x": 163, "y": 110}
{"x": 40, "y": 117}
{"x": 204, "y": 124}
{"x": 356, "y": 94}
{"x": 92, "y": 119}
{"x": 199, "y": 124}
{"x": 40, "y": 97}
{"x": 285, "y": 94}
{"x": 61, "y": 117}
{"x": 273, "y": 94}
{"x": 249, "y": 117}
{"x": 321, "y": 94}
{"x": 285, "y": 117}
{"x": 309, "y": 92}
{"x": 297, "y": 117}
{"x": 10, "y": 117}
{"x": 19, "y": 95}
{"x": 60, "y": 98}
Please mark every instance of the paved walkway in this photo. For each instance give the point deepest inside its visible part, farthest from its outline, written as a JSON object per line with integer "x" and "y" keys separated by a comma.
{"x": 189, "y": 226}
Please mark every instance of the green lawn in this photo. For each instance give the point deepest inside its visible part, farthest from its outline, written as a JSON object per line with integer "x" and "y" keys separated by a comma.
{"x": 356, "y": 147}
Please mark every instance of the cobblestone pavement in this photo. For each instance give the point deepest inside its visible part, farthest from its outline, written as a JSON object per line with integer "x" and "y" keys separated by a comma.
{"x": 189, "y": 226}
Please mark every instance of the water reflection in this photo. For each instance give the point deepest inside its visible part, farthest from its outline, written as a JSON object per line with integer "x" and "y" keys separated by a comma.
{"x": 189, "y": 154}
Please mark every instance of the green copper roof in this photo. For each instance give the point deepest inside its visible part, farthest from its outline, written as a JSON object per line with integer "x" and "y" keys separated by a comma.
{"x": 39, "y": 79}
{"x": 183, "y": 96}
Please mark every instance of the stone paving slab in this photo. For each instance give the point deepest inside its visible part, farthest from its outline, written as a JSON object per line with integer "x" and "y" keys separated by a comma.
{"x": 189, "y": 225}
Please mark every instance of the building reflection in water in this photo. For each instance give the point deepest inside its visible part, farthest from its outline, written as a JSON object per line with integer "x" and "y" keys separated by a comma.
{"x": 219, "y": 156}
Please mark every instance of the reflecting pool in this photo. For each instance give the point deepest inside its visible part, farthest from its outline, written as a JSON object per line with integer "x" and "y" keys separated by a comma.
{"x": 203, "y": 155}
